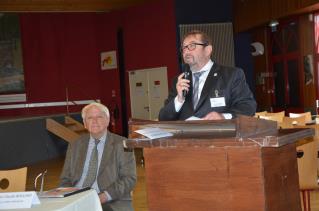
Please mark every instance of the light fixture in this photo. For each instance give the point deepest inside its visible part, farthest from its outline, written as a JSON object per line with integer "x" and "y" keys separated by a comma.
{"x": 258, "y": 48}
{"x": 273, "y": 23}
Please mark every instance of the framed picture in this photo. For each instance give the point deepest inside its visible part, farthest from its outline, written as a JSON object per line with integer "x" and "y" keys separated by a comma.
{"x": 11, "y": 65}
{"x": 308, "y": 69}
{"x": 108, "y": 60}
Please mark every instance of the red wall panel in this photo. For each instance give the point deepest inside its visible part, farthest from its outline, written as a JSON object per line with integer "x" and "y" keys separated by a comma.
{"x": 62, "y": 51}
{"x": 150, "y": 38}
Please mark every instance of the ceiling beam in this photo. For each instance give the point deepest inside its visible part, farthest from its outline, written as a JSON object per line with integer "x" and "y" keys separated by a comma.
{"x": 66, "y": 5}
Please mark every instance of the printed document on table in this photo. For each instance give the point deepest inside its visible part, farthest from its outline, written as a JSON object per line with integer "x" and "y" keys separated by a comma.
{"x": 193, "y": 118}
{"x": 153, "y": 133}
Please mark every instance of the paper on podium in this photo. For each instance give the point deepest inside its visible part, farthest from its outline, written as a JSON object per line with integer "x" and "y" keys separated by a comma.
{"x": 153, "y": 133}
{"x": 192, "y": 118}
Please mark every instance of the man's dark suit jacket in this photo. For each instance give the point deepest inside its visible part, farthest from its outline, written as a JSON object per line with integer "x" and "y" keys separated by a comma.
{"x": 117, "y": 171}
{"x": 229, "y": 82}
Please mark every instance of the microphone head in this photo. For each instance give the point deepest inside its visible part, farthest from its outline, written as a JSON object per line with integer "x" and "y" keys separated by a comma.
{"x": 186, "y": 71}
{"x": 186, "y": 67}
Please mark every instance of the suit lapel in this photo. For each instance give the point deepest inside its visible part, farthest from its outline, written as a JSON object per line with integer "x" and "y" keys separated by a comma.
{"x": 108, "y": 148}
{"x": 209, "y": 83}
{"x": 82, "y": 155}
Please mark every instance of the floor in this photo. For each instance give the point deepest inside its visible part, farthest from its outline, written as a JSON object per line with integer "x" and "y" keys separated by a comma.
{"x": 139, "y": 195}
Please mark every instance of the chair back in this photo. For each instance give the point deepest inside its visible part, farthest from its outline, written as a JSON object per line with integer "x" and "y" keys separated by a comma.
{"x": 261, "y": 113}
{"x": 306, "y": 155}
{"x": 278, "y": 117}
{"x": 306, "y": 114}
{"x": 307, "y": 165}
{"x": 13, "y": 180}
{"x": 289, "y": 122}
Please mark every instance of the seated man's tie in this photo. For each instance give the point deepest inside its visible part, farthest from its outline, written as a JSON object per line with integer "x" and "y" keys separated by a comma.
{"x": 93, "y": 166}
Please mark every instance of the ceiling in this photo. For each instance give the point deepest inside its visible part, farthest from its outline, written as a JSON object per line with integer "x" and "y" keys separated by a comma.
{"x": 67, "y": 5}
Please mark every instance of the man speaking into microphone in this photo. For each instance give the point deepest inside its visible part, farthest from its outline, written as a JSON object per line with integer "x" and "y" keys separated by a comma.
{"x": 211, "y": 91}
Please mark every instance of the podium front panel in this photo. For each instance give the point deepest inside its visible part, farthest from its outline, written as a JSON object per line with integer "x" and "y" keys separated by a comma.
{"x": 221, "y": 178}
{"x": 244, "y": 164}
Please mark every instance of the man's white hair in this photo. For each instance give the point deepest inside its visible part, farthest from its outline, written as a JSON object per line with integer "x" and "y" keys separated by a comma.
{"x": 100, "y": 106}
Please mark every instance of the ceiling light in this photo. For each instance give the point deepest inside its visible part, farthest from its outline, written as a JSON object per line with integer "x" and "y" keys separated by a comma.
{"x": 273, "y": 23}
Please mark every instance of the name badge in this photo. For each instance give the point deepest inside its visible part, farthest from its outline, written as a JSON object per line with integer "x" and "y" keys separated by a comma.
{"x": 217, "y": 102}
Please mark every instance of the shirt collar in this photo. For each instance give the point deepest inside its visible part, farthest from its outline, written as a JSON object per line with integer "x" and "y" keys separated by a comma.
{"x": 102, "y": 139}
{"x": 206, "y": 67}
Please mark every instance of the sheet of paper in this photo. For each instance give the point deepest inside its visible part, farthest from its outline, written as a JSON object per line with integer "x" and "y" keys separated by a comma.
{"x": 15, "y": 200}
{"x": 193, "y": 118}
{"x": 153, "y": 133}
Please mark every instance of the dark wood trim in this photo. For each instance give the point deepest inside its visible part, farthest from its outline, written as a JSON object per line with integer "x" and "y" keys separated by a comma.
{"x": 66, "y": 5}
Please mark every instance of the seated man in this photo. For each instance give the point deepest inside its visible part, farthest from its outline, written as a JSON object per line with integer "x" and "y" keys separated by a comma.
{"x": 98, "y": 160}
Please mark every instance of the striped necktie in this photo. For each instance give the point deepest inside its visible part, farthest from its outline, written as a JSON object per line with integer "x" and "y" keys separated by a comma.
{"x": 93, "y": 166}
{"x": 196, "y": 88}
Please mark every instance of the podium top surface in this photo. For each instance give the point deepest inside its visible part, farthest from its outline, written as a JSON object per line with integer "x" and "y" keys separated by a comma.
{"x": 242, "y": 131}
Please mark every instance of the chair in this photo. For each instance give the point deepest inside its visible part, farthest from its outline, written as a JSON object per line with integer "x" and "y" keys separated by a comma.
{"x": 13, "y": 180}
{"x": 278, "y": 117}
{"x": 261, "y": 113}
{"x": 306, "y": 114}
{"x": 307, "y": 170}
{"x": 307, "y": 161}
{"x": 289, "y": 122}
{"x": 281, "y": 114}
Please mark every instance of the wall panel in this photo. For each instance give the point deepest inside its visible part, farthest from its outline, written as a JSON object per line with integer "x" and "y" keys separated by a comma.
{"x": 250, "y": 13}
{"x": 307, "y": 48}
{"x": 280, "y": 8}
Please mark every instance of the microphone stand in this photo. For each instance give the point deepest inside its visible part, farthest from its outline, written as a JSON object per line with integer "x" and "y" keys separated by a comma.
{"x": 42, "y": 174}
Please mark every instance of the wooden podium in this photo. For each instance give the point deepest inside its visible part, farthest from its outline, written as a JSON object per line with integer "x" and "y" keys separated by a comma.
{"x": 244, "y": 164}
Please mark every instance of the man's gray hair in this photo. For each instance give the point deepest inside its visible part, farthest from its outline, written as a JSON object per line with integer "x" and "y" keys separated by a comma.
{"x": 100, "y": 106}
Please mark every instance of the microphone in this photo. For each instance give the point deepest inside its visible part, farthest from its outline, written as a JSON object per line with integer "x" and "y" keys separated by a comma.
{"x": 187, "y": 72}
{"x": 42, "y": 174}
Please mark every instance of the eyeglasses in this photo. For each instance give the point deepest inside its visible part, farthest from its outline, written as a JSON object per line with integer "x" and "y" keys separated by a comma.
{"x": 192, "y": 46}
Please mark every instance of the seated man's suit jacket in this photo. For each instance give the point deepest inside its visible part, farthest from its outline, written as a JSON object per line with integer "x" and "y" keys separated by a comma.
{"x": 228, "y": 82}
{"x": 117, "y": 171}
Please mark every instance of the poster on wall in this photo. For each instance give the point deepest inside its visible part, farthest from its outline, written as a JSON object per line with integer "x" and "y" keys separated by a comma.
{"x": 11, "y": 65}
{"x": 108, "y": 60}
{"x": 308, "y": 69}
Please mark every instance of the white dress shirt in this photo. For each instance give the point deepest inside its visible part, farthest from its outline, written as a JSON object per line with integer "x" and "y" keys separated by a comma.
{"x": 206, "y": 69}
{"x": 100, "y": 149}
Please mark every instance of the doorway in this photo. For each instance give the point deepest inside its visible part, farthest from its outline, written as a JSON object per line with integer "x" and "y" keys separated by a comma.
{"x": 286, "y": 67}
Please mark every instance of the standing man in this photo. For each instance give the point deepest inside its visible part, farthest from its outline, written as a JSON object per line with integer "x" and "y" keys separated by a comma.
{"x": 98, "y": 160}
{"x": 212, "y": 91}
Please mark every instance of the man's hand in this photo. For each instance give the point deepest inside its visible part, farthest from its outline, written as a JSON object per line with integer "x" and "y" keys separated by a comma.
{"x": 103, "y": 197}
{"x": 213, "y": 116}
{"x": 182, "y": 84}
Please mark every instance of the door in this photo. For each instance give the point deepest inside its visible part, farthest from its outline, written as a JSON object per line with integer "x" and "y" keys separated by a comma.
{"x": 286, "y": 68}
{"x": 148, "y": 91}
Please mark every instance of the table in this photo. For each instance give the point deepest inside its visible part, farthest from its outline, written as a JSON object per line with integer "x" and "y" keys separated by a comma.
{"x": 87, "y": 200}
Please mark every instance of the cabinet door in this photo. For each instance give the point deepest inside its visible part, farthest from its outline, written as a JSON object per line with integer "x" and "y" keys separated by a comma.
{"x": 139, "y": 94}
{"x": 158, "y": 90}
{"x": 148, "y": 91}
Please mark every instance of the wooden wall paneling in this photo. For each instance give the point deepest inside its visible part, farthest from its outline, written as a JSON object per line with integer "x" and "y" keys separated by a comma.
{"x": 306, "y": 30}
{"x": 65, "y": 5}
{"x": 280, "y": 8}
{"x": 261, "y": 68}
{"x": 249, "y": 13}
{"x": 306, "y": 3}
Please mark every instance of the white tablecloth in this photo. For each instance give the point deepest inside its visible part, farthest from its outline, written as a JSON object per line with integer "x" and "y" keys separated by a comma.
{"x": 85, "y": 201}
